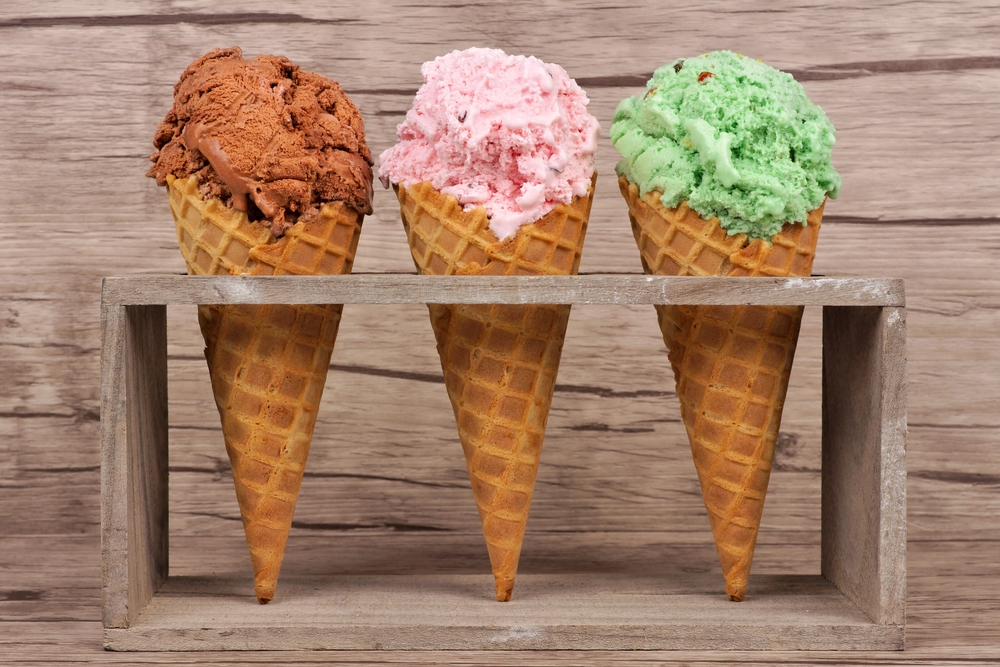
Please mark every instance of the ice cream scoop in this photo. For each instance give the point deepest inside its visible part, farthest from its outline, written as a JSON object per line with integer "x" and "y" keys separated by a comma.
{"x": 265, "y": 137}
{"x": 734, "y": 138}
{"x": 509, "y": 133}
{"x": 726, "y": 168}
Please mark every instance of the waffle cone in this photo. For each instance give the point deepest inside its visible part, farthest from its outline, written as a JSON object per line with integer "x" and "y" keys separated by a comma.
{"x": 731, "y": 363}
{"x": 499, "y": 361}
{"x": 268, "y": 363}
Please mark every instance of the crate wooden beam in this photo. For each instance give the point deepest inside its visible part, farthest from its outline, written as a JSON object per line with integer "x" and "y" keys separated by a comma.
{"x": 857, "y": 602}
{"x": 610, "y": 289}
{"x": 864, "y": 457}
{"x": 134, "y": 549}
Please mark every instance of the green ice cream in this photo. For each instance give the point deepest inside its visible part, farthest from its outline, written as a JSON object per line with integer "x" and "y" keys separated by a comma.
{"x": 734, "y": 137}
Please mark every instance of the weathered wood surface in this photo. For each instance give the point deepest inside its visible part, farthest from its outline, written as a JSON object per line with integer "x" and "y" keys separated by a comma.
{"x": 863, "y": 544}
{"x": 53, "y": 617}
{"x": 582, "y": 611}
{"x": 134, "y": 459}
{"x": 864, "y": 458}
{"x": 599, "y": 289}
{"x": 911, "y": 88}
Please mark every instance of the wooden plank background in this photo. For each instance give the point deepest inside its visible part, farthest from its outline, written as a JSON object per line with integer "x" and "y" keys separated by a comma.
{"x": 912, "y": 89}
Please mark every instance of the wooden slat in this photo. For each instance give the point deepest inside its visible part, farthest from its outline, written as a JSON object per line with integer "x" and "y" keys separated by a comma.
{"x": 953, "y": 587}
{"x": 586, "y": 289}
{"x": 882, "y": 117}
{"x": 114, "y": 461}
{"x": 864, "y": 459}
{"x": 623, "y": 611}
{"x": 133, "y": 459}
{"x": 147, "y": 459}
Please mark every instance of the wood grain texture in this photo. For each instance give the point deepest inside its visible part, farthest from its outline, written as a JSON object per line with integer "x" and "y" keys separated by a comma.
{"x": 625, "y": 611}
{"x": 146, "y": 471}
{"x": 949, "y": 614}
{"x": 114, "y": 467}
{"x": 864, "y": 479}
{"x": 600, "y": 289}
{"x": 911, "y": 88}
{"x": 134, "y": 459}
{"x": 864, "y": 458}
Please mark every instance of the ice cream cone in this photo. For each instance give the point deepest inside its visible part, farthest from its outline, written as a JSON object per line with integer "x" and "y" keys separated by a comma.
{"x": 499, "y": 361}
{"x": 731, "y": 363}
{"x": 268, "y": 363}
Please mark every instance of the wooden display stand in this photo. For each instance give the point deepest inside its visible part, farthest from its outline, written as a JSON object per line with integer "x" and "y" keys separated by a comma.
{"x": 857, "y": 603}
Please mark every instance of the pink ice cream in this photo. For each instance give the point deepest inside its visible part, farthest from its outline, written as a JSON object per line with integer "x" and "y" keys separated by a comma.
{"x": 509, "y": 133}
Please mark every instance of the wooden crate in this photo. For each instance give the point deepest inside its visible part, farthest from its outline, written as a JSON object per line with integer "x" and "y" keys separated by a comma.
{"x": 856, "y": 603}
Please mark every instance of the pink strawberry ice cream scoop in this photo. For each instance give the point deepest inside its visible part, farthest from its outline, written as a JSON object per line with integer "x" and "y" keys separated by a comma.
{"x": 509, "y": 133}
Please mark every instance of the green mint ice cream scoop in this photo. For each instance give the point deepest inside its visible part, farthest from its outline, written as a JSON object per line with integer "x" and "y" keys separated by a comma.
{"x": 738, "y": 139}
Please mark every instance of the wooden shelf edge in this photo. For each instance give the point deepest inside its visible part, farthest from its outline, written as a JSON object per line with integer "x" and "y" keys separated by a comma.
{"x": 319, "y": 638}
{"x": 575, "y": 611}
{"x": 598, "y": 289}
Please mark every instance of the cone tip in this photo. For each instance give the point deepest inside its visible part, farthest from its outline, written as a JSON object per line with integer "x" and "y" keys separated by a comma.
{"x": 505, "y": 588}
{"x": 265, "y": 591}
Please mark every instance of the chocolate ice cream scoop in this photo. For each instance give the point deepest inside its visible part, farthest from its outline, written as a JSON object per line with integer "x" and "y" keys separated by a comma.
{"x": 265, "y": 137}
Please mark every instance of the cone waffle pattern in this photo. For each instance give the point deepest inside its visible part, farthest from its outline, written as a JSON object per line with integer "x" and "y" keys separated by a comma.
{"x": 268, "y": 363}
{"x": 731, "y": 363}
{"x": 499, "y": 361}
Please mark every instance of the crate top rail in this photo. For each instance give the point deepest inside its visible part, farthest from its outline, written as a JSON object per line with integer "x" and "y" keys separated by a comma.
{"x": 399, "y": 288}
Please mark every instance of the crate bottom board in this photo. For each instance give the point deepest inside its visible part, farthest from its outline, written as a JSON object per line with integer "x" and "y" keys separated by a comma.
{"x": 579, "y": 611}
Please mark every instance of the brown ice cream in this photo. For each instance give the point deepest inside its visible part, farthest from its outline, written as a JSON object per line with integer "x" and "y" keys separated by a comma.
{"x": 265, "y": 137}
